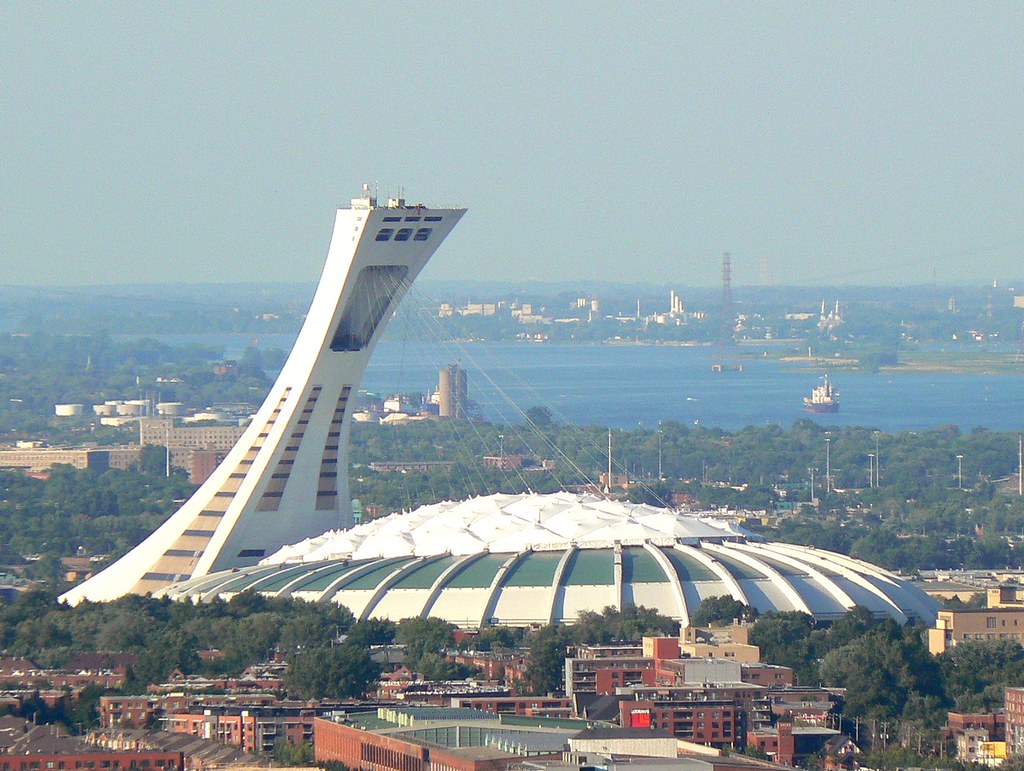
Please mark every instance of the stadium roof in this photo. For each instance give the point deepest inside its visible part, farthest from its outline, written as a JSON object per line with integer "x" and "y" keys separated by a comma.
{"x": 536, "y": 559}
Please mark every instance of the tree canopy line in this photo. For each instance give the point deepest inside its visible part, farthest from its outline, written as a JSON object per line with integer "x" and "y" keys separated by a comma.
{"x": 328, "y": 650}
{"x": 886, "y": 669}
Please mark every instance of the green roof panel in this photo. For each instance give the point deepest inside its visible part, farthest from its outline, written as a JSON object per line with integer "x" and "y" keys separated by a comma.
{"x": 536, "y": 568}
{"x": 285, "y": 575}
{"x": 318, "y": 581}
{"x": 371, "y": 578}
{"x": 688, "y": 568}
{"x": 479, "y": 573}
{"x": 590, "y": 567}
{"x": 639, "y": 567}
{"x": 424, "y": 576}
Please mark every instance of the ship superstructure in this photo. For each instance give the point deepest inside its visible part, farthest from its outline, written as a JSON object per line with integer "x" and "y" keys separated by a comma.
{"x": 824, "y": 398}
{"x": 287, "y": 477}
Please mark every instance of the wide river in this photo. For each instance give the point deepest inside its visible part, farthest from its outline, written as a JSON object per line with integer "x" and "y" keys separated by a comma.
{"x": 629, "y": 385}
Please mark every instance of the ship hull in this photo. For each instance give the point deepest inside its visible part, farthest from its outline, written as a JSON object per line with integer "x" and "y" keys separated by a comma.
{"x": 821, "y": 408}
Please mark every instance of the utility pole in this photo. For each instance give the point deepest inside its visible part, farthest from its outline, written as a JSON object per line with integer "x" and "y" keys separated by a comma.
{"x": 871, "y": 470}
{"x": 811, "y": 472}
{"x": 960, "y": 472}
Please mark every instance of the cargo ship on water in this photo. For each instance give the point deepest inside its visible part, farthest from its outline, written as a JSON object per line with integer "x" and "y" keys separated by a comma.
{"x": 823, "y": 398}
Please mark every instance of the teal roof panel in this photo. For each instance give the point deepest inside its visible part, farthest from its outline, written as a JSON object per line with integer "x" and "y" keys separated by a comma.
{"x": 536, "y": 568}
{"x": 639, "y": 567}
{"x": 478, "y": 574}
{"x": 424, "y": 576}
{"x": 590, "y": 567}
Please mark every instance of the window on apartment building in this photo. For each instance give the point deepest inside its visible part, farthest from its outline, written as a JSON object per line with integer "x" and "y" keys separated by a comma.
{"x": 990, "y": 622}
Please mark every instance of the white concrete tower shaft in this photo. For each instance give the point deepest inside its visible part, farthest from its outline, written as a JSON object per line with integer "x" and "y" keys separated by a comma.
{"x": 287, "y": 477}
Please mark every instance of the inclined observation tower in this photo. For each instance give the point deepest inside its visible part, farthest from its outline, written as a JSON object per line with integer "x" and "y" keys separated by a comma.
{"x": 287, "y": 476}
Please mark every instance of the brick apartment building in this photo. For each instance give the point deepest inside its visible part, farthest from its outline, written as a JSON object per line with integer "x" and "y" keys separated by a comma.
{"x": 255, "y": 729}
{"x": 524, "y": 706}
{"x": 27, "y": 747}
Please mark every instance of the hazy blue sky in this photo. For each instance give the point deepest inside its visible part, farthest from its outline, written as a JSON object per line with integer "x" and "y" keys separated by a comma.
{"x": 833, "y": 142}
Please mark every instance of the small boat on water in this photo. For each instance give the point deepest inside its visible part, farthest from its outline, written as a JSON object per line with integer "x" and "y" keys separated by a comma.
{"x": 823, "y": 398}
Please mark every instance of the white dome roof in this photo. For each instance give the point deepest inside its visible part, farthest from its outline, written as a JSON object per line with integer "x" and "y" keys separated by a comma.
{"x": 508, "y": 523}
{"x": 536, "y": 559}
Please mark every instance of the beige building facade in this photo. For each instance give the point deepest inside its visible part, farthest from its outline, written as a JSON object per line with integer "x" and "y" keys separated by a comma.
{"x": 38, "y": 460}
{"x": 953, "y": 627}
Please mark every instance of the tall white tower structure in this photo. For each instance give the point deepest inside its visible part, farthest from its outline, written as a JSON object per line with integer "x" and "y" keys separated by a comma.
{"x": 287, "y": 477}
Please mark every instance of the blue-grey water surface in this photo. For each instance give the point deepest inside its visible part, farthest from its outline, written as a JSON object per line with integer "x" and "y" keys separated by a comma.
{"x": 627, "y": 385}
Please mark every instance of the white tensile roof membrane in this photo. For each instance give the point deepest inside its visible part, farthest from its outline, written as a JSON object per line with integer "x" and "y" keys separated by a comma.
{"x": 507, "y": 523}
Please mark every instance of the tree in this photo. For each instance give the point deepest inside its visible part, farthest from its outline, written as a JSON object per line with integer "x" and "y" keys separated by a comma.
{"x": 882, "y": 671}
{"x": 784, "y": 638}
{"x": 548, "y": 648}
{"x": 631, "y": 623}
{"x": 539, "y": 417}
{"x": 422, "y": 636}
{"x": 722, "y": 609}
{"x": 342, "y": 672}
{"x": 372, "y": 631}
{"x": 976, "y": 672}
{"x": 288, "y": 754}
{"x": 434, "y": 666}
{"x": 153, "y": 460}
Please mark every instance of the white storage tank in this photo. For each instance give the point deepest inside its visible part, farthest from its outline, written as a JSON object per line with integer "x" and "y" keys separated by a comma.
{"x": 104, "y": 410}
{"x": 68, "y": 410}
{"x": 170, "y": 408}
{"x": 214, "y": 415}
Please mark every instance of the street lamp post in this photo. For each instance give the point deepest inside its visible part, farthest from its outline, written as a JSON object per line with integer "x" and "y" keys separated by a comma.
{"x": 878, "y": 462}
{"x": 501, "y": 451}
{"x": 660, "y": 475}
{"x": 871, "y": 470}
{"x": 811, "y": 472}
{"x": 960, "y": 471}
{"x": 828, "y": 464}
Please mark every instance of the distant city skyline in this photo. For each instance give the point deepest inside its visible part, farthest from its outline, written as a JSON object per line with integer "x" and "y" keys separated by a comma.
{"x": 818, "y": 144}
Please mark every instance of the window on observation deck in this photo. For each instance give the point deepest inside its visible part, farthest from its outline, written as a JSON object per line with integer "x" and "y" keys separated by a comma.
{"x": 423, "y": 234}
{"x": 403, "y": 234}
{"x": 369, "y": 302}
{"x": 384, "y": 234}
{"x": 392, "y": 219}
